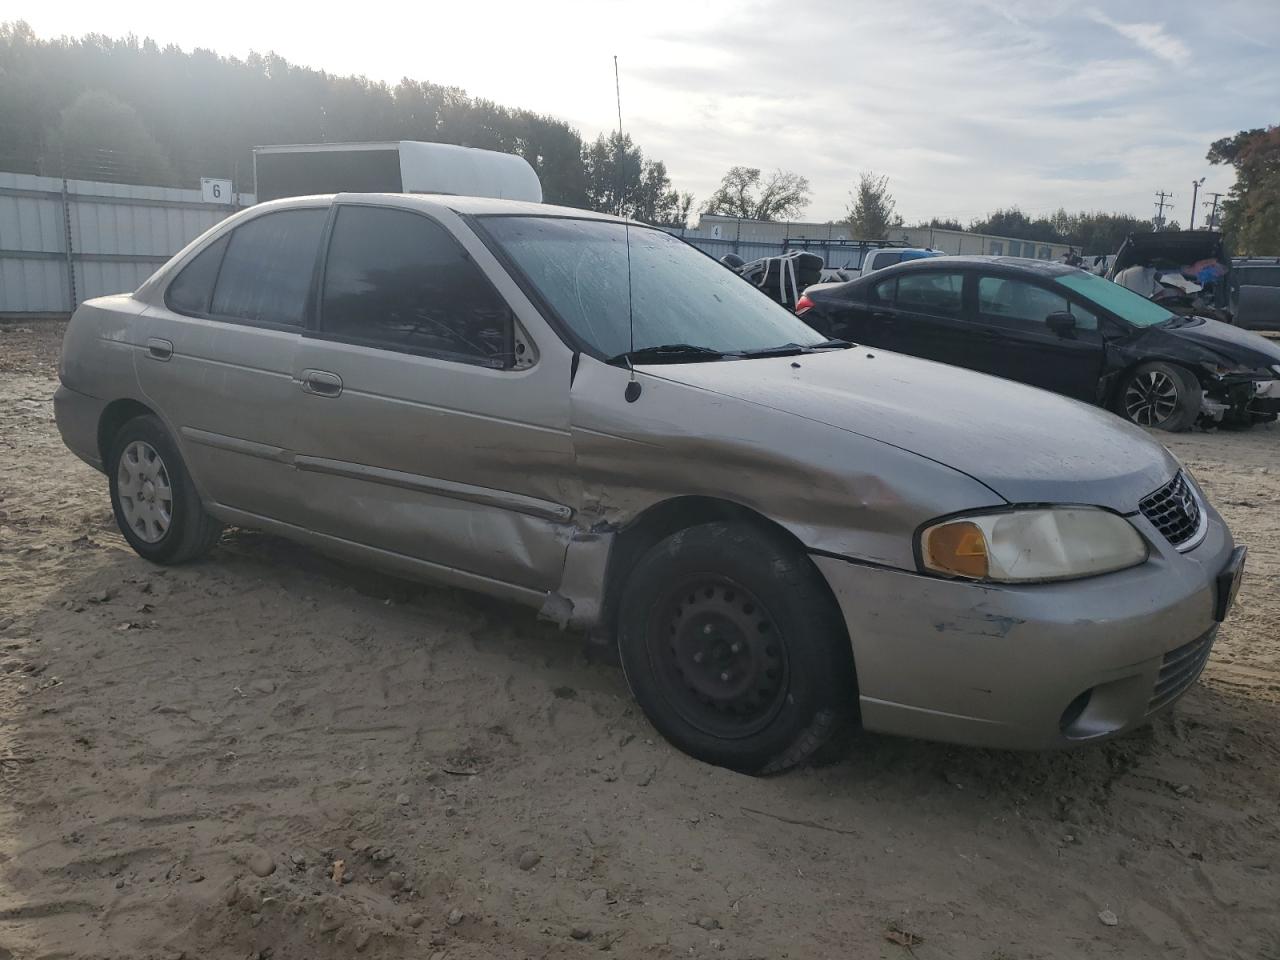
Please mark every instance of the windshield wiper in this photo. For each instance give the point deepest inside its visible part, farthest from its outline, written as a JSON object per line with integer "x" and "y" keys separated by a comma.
{"x": 667, "y": 353}
{"x": 792, "y": 349}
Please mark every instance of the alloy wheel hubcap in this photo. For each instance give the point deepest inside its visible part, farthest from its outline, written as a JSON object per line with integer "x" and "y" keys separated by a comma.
{"x": 144, "y": 492}
{"x": 1151, "y": 399}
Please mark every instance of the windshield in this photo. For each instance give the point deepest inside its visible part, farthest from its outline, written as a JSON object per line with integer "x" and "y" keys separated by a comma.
{"x": 679, "y": 295}
{"x": 1121, "y": 301}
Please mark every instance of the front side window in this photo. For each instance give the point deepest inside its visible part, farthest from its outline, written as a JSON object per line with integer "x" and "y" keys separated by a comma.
{"x": 678, "y": 295}
{"x": 931, "y": 291}
{"x": 267, "y": 269}
{"x": 1027, "y": 305}
{"x": 396, "y": 279}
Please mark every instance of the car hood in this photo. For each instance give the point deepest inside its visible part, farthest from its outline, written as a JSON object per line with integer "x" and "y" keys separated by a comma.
{"x": 1243, "y": 347}
{"x": 1026, "y": 445}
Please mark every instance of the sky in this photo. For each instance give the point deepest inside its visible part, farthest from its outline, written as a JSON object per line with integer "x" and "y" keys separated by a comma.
{"x": 966, "y": 105}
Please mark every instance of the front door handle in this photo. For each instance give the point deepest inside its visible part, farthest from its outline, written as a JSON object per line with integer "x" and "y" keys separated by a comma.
{"x": 321, "y": 383}
{"x": 158, "y": 349}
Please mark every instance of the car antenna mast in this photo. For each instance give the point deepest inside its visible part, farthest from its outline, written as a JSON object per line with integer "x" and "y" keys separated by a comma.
{"x": 632, "y": 393}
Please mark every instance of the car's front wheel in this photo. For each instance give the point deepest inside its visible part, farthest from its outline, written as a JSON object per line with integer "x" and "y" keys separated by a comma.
{"x": 734, "y": 649}
{"x": 156, "y": 505}
{"x": 1161, "y": 395}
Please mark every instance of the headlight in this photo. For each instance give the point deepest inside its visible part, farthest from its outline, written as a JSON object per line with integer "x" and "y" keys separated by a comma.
{"x": 1018, "y": 546}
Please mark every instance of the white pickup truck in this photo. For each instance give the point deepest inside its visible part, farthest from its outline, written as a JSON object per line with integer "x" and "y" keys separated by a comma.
{"x": 877, "y": 258}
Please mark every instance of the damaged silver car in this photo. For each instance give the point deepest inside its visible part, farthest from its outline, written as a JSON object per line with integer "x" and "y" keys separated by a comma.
{"x": 781, "y": 533}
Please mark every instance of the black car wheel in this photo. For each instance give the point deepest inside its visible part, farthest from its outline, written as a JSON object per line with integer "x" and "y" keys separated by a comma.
{"x": 1161, "y": 395}
{"x": 155, "y": 503}
{"x": 734, "y": 649}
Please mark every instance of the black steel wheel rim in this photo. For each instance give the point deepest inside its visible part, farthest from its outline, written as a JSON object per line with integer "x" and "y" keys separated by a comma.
{"x": 719, "y": 656}
{"x": 1151, "y": 398}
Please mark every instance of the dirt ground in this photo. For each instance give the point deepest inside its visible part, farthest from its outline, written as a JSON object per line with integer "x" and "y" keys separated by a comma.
{"x": 186, "y": 753}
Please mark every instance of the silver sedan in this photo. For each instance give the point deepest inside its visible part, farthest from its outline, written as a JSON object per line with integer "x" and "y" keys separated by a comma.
{"x": 780, "y": 533}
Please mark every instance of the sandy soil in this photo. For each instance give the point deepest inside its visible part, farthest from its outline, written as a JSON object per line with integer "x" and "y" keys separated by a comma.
{"x": 185, "y": 754}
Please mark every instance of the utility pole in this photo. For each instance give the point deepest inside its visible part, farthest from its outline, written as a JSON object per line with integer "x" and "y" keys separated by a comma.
{"x": 1159, "y": 222}
{"x": 1195, "y": 191}
{"x": 1213, "y": 212}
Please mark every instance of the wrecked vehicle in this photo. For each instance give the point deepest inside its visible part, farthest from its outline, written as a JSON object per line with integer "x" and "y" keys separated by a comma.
{"x": 1062, "y": 329}
{"x": 1187, "y": 272}
{"x": 779, "y": 532}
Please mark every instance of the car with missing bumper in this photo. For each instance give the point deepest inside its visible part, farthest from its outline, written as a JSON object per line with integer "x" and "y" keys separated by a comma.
{"x": 780, "y": 532}
{"x": 1062, "y": 329}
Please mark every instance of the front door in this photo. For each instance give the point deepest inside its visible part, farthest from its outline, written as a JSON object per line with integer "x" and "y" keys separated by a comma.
{"x": 216, "y": 359}
{"x": 429, "y": 425}
{"x": 1013, "y": 339}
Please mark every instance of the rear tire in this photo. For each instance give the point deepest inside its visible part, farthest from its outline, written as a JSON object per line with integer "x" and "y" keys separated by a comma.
{"x": 155, "y": 503}
{"x": 735, "y": 650}
{"x": 1161, "y": 395}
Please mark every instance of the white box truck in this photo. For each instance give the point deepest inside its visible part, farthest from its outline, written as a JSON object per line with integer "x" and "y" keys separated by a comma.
{"x": 394, "y": 166}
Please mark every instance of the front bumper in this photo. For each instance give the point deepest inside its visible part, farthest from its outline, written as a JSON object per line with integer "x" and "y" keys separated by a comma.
{"x": 1030, "y": 666}
{"x": 78, "y": 415}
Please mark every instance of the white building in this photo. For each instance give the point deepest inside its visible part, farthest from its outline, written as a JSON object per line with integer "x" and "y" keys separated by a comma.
{"x": 735, "y": 230}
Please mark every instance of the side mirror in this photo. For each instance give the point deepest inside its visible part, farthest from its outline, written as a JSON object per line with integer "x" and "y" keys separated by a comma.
{"x": 1063, "y": 323}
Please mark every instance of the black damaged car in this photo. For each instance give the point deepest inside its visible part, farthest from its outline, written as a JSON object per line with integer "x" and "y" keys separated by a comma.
{"x": 1060, "y": 328}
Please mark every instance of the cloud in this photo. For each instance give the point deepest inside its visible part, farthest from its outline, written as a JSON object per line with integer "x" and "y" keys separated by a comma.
{"x": 966, "y": 105}
{"x": 1151, "y": 37}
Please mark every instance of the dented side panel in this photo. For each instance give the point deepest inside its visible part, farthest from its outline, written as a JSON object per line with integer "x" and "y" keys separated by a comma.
{"x": 836, "y": 491}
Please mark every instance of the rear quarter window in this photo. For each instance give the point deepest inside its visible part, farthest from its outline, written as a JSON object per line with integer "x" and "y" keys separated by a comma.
{"x": 192, "y": 289}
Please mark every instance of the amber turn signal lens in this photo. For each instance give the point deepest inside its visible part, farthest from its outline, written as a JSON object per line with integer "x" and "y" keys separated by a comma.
{"x": 958, "y": 548}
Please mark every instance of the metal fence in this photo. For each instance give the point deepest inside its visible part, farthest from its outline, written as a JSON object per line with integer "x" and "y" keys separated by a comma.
{"x": 833, "y": 255}
{"x": 65, "y": 241}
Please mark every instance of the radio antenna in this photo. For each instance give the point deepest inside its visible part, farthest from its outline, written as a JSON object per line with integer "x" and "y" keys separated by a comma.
{"x": 632, "y": 393}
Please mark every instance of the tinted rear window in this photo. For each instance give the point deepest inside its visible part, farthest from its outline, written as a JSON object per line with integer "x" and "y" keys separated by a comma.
{"x": 1259, "y": 276}
{"x": 267, "y": 270}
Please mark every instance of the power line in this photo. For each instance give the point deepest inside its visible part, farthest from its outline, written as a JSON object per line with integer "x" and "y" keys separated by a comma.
{"x": 1213, "y": 213}
{"x": 1159, "y": 221}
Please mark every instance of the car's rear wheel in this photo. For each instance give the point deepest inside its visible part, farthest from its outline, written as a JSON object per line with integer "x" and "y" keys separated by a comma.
{"x": 1161, "y": 395}
{"x": 156, "y": 505}
{"x": 734, "y": 649}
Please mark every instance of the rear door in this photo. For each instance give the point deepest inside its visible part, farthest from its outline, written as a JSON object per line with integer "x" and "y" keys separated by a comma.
{"x": 216, "y": 359}
{"x": 429, "y": 425}
{"x": 1013, "y": 340}
{"x": 925, "y": 316}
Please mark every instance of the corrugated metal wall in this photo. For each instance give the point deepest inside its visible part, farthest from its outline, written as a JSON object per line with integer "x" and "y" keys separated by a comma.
{"x": 119, "y": 234}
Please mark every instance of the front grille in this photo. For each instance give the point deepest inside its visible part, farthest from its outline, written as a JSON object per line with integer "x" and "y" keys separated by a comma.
{"x": 1173, "y": 510}
{"x": 1179, "y": 670}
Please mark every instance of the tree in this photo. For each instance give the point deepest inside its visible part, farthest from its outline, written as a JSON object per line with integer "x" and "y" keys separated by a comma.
{"x": 193, "y": 114}
{"x": 620, "y": 180}
{"x": 783, "y": 195}
{"x": 100, "y": 137}
{"x": 1251, "y": 210}
{"x": 871, "y": 211}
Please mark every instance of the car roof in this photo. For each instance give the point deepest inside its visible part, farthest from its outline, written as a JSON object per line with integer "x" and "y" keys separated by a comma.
{"x": 1046, "y": 268}
{"x": 476, "y": 206}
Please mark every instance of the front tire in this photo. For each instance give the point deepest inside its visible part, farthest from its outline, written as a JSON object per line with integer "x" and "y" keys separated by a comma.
{"x": 155, "y": 503}
{"x": 734, "y": 648}
{"x": 1161, "y": 395}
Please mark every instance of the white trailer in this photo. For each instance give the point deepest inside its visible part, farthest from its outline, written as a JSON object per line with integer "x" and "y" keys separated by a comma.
{"x": 394, "y": 166}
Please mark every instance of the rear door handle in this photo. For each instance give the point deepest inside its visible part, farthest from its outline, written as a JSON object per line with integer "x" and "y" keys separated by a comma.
{"x": 158, "y": 349}
{"x": 321, "y": 383}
